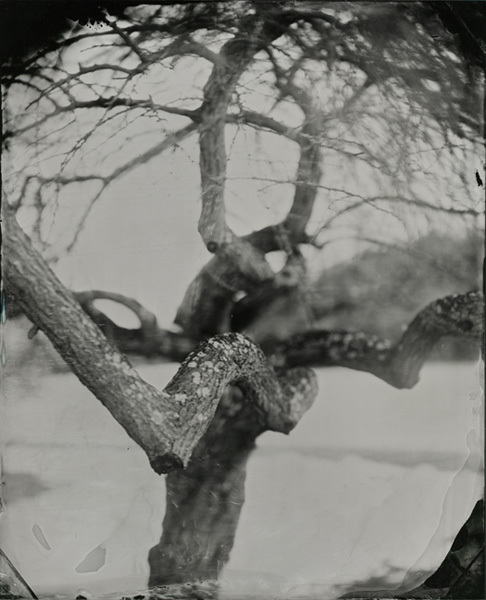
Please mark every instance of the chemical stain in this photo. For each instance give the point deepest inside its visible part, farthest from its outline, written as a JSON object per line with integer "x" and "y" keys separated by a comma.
{"x": 40, "y": 537}
{"x": 93, "y": 561}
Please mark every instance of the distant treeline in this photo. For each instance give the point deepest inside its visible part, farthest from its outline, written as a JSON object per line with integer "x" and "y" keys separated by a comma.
{"x": 381, "y": 291}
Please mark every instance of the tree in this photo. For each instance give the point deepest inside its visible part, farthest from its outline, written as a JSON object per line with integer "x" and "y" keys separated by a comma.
{"x": 322, "y": 78}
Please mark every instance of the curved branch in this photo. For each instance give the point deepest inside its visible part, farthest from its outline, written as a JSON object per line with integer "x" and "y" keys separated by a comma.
{"x": 148, "y": 320}
{"x": 262, "y": 121}
{"x": 236, "y": 266}
{"x": 234, "y": 57}
{"x": 149, "y": 340}
{"x": 167, "y": 424}
{"x": 232, "y": 358}
{"x": 459, "y": 315}
{"x": 307, "y": 178}
{"x": 172, "y": 139}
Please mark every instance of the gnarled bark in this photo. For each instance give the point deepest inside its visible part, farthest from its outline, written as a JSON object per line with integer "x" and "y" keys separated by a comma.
{"x": 204, "y": 501}
{"x": 237, "y": 266}
{"x": 459, "y": 315}
{"x": 167, "y": 424}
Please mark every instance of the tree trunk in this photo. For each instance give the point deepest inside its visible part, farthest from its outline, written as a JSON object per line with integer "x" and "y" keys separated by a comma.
{"x": 204, "y": 501}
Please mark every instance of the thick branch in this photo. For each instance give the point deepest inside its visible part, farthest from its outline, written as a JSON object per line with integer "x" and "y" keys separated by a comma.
{"x": 148, "y": 340}
{"x": 257, "y": 314}
{"x": 278, "y": 237}
{"x": 234, "y": 58}
{"x": 168, "y": 424}
{"x": 237, "y": 266}
{"x": 148, "y": 320}
{"x": 255, "y": 32}
{"x": 204, "y": 501}
{"x": 240, "y": 266}
{"x": 400, "y": 364}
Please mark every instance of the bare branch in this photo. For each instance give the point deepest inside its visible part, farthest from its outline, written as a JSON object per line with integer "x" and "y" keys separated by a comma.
{"x": 108, "y": 103}
{"x": 307, "y": 180}
{"x": 460, "y": 315}
{"x": 464, "y": 212}
{"x": 149, "y": 340}
{"x": 116, "y": 68}
{"x": 128, "y": 40}
{"x": 265, "y": 122}
{"x": 236, "y": 267}
{"x": 148, "y": 320}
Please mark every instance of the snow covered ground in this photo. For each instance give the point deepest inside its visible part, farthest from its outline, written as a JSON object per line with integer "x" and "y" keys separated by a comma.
{"x": 374, "y": 483}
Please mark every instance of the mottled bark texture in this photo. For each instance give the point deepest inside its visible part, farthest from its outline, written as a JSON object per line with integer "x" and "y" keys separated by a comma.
{"x": 459, "y": 315}
{"x": 195, "y": 543}
{"x": 166, "y": 424}
{"x": 204, "y": 501}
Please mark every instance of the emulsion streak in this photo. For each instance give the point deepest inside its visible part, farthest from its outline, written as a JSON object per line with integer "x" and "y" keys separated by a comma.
{"x": 40, "y": 537}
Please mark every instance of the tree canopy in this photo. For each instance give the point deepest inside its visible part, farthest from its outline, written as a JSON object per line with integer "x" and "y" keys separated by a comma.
{"x": 346, "y": 118}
